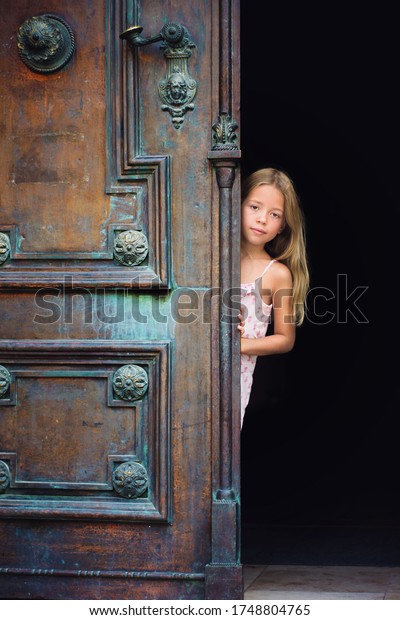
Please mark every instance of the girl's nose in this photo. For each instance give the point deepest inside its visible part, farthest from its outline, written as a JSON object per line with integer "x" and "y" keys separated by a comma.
{"x": 261, "y": 218}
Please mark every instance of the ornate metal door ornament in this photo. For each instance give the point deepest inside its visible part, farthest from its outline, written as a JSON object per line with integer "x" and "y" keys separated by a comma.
{"x": 4, "y": 248}
{"x": 45, "y": 43}
{"x": 130, "y": 248}
{"x": 4, "y": 476}
{"x": 130, "y": 382}
{"x": 130, "y": 480}
{"x": 178, "y": 89}
{"x": 224, "y": 134}
{"x": 5, "y": 380}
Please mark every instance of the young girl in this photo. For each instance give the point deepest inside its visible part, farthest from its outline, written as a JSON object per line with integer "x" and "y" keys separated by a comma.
{"x": 274, "y": 272}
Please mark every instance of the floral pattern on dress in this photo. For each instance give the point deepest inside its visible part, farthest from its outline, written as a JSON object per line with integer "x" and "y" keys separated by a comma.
{"x": 256, "y": 316}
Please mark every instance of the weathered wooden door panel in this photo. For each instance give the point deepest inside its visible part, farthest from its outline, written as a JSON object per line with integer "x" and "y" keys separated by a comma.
{"x": 118, "y": 420}
{"x": 75, "y": 421}
{"x": 62, "y": 218}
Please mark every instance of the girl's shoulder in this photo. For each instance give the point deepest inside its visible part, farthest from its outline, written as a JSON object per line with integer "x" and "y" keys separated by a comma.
{"x": 278, "y": 274}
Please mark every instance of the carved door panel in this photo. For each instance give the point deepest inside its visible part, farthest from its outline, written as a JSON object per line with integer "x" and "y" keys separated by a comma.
{"x": 119, "y": 199}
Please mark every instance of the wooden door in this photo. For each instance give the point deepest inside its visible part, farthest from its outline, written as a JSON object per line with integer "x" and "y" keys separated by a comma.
{"x": 119, "y": 432}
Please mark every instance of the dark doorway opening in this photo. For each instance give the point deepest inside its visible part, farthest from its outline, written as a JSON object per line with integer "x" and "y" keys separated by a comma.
{"x": 320, "y": 443}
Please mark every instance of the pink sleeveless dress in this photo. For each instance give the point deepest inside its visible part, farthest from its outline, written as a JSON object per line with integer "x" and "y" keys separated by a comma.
{"x": 257, "y": 315}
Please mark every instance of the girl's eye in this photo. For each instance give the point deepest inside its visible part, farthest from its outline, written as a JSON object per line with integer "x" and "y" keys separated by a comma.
{"x": 254, "y": 207}
{"x": 276, "y": 215}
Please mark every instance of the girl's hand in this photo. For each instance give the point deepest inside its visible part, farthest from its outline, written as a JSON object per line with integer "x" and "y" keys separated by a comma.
{"x": 241, "y": 325}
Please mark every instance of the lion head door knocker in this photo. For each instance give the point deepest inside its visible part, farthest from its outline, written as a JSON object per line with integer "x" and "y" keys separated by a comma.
{"x": 178, "y": 89}
{"x": 4, "y": 248}
{"x": 130, "y": 480}
{"x": 45, "y": 43}
{"x": 130, "y": 382}
{"x": 130, "y": 248}
{"x": 5, "y": 381}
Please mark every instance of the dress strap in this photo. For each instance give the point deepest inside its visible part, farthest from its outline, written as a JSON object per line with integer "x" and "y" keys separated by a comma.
{"x": 267, "y": 267}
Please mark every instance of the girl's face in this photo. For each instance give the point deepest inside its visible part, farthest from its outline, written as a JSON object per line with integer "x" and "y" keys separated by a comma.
{"x": 263, "y": 215}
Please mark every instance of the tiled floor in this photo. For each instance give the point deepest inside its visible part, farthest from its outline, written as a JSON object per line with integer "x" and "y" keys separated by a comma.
{"x": 321, "y": 582}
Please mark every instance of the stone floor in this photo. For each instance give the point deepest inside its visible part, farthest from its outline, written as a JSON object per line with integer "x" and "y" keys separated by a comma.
{"x": 321, "y": 582}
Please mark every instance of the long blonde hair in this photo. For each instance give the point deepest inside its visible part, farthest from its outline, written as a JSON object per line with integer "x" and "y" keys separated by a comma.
{"x": 289, "y": 246}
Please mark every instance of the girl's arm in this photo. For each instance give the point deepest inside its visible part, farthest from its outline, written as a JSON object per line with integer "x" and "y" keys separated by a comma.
{"x": 283, "y": 338}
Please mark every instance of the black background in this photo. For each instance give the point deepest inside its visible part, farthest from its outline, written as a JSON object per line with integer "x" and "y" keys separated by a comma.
{"x": 320, "y": 446}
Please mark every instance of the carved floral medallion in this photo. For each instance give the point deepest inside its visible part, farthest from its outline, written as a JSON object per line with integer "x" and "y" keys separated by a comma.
{"x": 4, "y": 248}
{"x": 4, "y": 476}
{"x": 130, "y": 480}
{"x": 130, "y": 382}
{"x": 130, "y": 247}
{"x": 5, "y": 380}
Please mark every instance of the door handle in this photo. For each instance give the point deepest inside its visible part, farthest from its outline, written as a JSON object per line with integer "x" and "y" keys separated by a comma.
{"x": 178, "y": 89}
{"x": 171, "y": 34}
